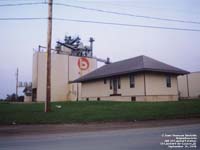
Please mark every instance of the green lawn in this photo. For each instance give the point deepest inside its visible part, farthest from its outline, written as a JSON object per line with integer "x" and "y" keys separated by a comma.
{"x": 97, "y": 111}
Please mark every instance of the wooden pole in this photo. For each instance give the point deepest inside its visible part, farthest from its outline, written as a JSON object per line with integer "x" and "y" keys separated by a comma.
{"x": 17, "y": 76}
{"x": 49, "y": 34}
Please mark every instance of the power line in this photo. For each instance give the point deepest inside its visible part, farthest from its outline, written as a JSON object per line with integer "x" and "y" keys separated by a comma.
{"x": 128, "y": 25}
{"x": 127, "y": 14}
{"x": 21, "y": 0}
{"x": 18, "y": 0}
{"x": 23, "y": 18}
{"x": 132, "y": 6}
{"x": 22, "y": 4}
{"x": 105, "y": 23}
{"x": 105, "y": 11}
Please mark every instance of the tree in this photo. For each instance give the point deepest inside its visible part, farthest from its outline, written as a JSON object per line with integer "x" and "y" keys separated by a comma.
{"x": 11, "y": 97}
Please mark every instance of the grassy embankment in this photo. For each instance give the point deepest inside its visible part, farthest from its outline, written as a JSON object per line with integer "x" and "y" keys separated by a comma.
{"x": 83, "y": 112}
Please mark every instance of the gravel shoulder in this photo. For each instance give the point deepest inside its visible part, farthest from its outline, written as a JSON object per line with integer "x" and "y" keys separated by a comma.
{"x": 20, "y": 130}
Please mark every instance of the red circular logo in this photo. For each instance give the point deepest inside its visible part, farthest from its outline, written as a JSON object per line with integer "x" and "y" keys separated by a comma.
{"x": 83, "y": 63}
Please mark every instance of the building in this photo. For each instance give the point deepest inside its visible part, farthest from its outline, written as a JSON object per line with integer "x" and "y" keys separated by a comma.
{"x": 189, "y": 85}
{"x": 69, "y": 61}
{"x": 137, "y": 79}
{"x": 27, "y": 93}
{"x": 64, "y": 68}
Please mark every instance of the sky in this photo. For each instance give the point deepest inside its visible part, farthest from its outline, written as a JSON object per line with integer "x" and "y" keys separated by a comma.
{"x": 178, "y": 48}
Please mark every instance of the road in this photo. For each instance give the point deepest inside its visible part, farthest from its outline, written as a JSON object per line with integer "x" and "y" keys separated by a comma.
{"x": 123, "y": 139}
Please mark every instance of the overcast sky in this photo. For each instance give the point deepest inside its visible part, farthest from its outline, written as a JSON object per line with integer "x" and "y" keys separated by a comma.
{"x": 177, "y": 48}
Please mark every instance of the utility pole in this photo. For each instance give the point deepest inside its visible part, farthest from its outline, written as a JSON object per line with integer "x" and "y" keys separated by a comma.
{"x": 49, "y": 34}
{"x": 17, "y": 75}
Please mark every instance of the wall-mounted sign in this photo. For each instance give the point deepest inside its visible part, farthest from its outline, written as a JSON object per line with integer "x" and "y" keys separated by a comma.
{"x": 83, "y": 63}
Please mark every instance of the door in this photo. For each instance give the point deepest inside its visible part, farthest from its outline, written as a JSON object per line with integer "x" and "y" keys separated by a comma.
{"x": 34, "y": 94}
{"x": 114, "y": 86}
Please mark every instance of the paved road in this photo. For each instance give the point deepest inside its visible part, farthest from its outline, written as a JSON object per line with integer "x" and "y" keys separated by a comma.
{"x": 126, "y": 139}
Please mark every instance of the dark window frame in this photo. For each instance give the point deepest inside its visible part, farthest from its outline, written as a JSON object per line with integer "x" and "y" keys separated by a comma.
{"x": 132, "y": 80}
{"x": 119, "y": 83}
{"x": 105, "y": 81}
{"x": 111, "y": 82}
{"x": 168, "y": 81}
{"x": 133, "y": 98}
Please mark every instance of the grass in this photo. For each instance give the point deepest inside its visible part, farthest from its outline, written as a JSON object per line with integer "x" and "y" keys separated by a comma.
{"x": 96, "y": 111}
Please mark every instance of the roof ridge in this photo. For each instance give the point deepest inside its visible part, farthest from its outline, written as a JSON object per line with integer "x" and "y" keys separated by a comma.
{"x": 127, "y": 59}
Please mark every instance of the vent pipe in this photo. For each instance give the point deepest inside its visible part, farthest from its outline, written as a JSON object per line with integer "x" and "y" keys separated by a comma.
{"x": 91, "y": 45}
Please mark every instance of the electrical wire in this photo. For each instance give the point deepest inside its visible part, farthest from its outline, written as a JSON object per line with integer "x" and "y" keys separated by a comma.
{"x": 127, "y": 14}
{"x": 22, "y": 4}
{"x": 128, "y": 25}
{"x": 105, "y": 11}
{"x": 105, "y": 23}
{"x": 23, "y": 18}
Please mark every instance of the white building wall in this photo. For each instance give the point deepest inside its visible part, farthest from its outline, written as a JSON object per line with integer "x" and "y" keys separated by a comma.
{"x": 137, "y": 90}
{"x": 35, "y": 70}
{"x": 59, "y": 77}
{"x": 99, "y": 89}
{"x": 41, "y": 77}
{"x": 74, "y": 92}
{"x": 27, "y": 99}
{"x": 156, "y": 89}
{"x": 64, "y": 68}
{"x": 189, "y": 85}
{"x": 74, "y": 70}
{"x": 194, "y": 84}
{"x": 156, "y": 84}
{"x": 182, "y": 86}
{"x": 96, "y": 89}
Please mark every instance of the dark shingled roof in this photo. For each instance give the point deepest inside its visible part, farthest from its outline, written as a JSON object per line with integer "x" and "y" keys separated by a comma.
{"x": 132, "y": 65}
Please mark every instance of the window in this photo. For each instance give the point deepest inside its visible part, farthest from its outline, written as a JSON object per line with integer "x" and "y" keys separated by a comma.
{"x": 132, "y": 81}
{"x": 133, "y": 98}
{"x": 168, "y": 81}
{"x": 111, "y": 84}
{"x": 119, "y": 82}
{"x": 104, "y": 81}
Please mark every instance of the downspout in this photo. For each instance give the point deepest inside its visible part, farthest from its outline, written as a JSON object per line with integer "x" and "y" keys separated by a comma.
{"x": 179, "y": 95}
{"x": 68, "y": 69}
{"x": 37, "y": 53}
{"x": 68, "y": 86}
{"x": 188, "y": 92}
{"x": 77, "y": 92}
{"x": 145, "y": 93}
